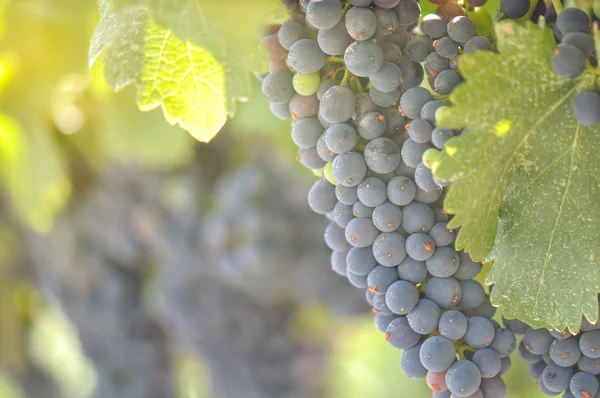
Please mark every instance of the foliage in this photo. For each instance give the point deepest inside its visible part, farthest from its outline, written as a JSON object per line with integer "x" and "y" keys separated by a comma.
{"x": 526, "y": 180}
{"x": 194, "y": 63}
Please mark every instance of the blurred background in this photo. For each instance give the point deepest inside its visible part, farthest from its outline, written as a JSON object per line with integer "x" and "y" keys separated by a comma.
{"x": 136, "y": 262}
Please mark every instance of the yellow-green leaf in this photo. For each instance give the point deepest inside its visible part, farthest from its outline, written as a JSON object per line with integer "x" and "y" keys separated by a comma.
{"x": 185, "y": 80}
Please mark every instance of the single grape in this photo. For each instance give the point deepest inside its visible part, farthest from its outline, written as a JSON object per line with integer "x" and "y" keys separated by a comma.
{"x": 310, "y": 158}
{"x": 363, "y": 58}
{"x": 360, "y": 232}
{"x": 400, "y": 37}
{"x": 419, "y": 47}
{"x": 382, "y": 321}
{"x": 401, "y": 297}
{"x": 440, "y": 136}
{"x": 583, "y": 385}
{"x": 435, "y": 64}
{"x": 412, "y": 73}
{"x": 360, "y": 260}
{"x": 306, "y": 83}
{"x": 304, "y": 106}
{"x": 480, "y": 332}
{"x": 418, "y": 217}
{"x": 334, "y": 41}
{"x": 472, "y": 294}
{"x": 412, "y": 101}
{"x": 411, "y": 364}
{"x": 461, "y": 29}
{"x": 587, "y": 108}
{"x": 404, "y": 170}
{"x": 387, "y": 78}
{"x": 337, "y": 104}
{"x": 277, "y": 87}
{"x": 443, "y": 263}
{"x": 528, "y": 356}
{"x": 469, "y": 269}
{"x": 361, "y": 23}
{"x": 537, "y": 341}
{"x": 382, "y": 99}
{"x": 437, "y": 354}
{"x": 321, "y": 197}
{"x": 340, "y": 138}
{"x": 420, "y": 246}
{"x": 324, "y": 86}
{"x": 494, "y": 387}
{"x": 360, "y": 3}
{"x": 589, "y": 343}
{"x": 276, "y": 52}
{"x": 387, "y": 217}
{"x": 446, "y": 82}
{"x": 389, "y": 249}
{"x": 346, "y": 195}
{"x": 428, "y": 197}
{"x": 349, "y": 169}
{"x": 453, "y": 325}
{"x": 280, "y": 110}
{"x": 391, "y": 52}
{"x": 420, "y": 131}
{"x": 504, "y": 342}
{"x": 568, "y": 61}
{"x": 476, "y": 3}
{"x": 371, "y": 125}
{"x": 515, "y": 9}
{"x": 488, "y": 361}
{"x": 290, "y": 32}
{"x": 372, "y": 191}
{"x": 324, "y": 14}
{"x": 412, "y": 271}
{"x": 446, "y": 47}
{"x": 429, "y": 109}
{"x": 556, "y": 378}
{"x": 537, "y": 369}
{"x": 338, "y": 263}
{"x": 336, "y": 239}
{"x": 381, "y": 278}
{"x": 342, "y": 214}
{"x": 360, "y": 210}
{"x": 408, "y": 11}
{"x": 463, "y": 378}
{"x": 305, "y": 56}
{"x": 583, "y": 41}
{"x": 442, "y": 236}
{"x": 590, "y": 365}
{"x": 573, "y": 20}
{"x": 451, "y": 10}
{"x": 424, "y": 318}
{"x": 424, "y": 178}
{"x": 382, "y": 155}
{"x": 378, "y": 302}
{"x": 478, "y": 43}
{"x": 324, "y": 153}
{"x": 445, "y": 292}
{"x": 357, "y": 281}
{"x": 433, "y": 26}
{"x": 565, "y": 352}
{"x": 387, "y": 21}
{"x": 412, "y": 152}
{"x": 400, "y": 335}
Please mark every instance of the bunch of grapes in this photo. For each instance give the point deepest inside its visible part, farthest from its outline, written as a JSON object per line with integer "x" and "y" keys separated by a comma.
{"x": 349, "y": 75}
{"x": 561, "y": 362}
{"x": 571, "y": 58}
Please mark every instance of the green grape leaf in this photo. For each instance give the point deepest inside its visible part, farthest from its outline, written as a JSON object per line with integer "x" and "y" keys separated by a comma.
{"x": 191, "y": 57}
{"x": 526, "y": 180}
{"x": 32, "y": 173}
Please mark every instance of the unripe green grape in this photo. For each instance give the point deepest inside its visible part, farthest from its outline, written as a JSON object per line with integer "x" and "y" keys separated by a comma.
{"x": 306, "y": 83}
{"x": 430, "y": 157}
{"x": 328, "y": 173}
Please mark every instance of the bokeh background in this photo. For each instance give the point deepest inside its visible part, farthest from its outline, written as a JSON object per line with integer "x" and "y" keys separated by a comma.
{"x": 138, "y": 263}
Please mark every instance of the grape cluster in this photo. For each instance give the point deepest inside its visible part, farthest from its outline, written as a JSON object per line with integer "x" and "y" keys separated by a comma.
{"x": 561, "y": 362}
{"x": 366, "y": 121}
{"x": 572, "y": 55}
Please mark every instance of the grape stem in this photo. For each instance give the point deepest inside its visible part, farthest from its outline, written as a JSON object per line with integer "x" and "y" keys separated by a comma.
{"x": 596, "y": 31}
{"x": 461, "y": 349}
{"x": 344, "y": 82}
{"x": 334, "y": 60}
{"x": 557, "y": 6}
